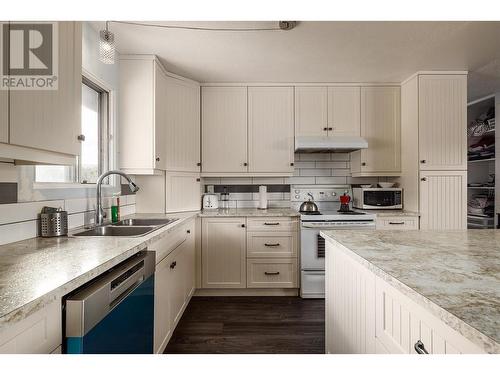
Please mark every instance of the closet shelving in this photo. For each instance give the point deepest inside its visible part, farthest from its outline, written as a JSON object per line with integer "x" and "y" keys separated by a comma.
{"x": 481, "y": 164}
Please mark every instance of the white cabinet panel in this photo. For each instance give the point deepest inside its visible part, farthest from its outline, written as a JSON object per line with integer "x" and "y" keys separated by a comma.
{"x": 350, "y": 304}
{"x": 182, "y": 104}
{"x": 270, "y": 129}
{"x": 160, "y": 115}
{"x": 311, "y": 111}
{"x": 381, "y": 127}
{"x": 272, "y": 273}
{"x": 4, "y": 116}
{"x": 224, "y": 129}
{"x": 183, "y": 191}
{"x": 38, "y": 333}
{"x": 344, "y": 114}
{"x": 162, "y": 318}
{"x": 272, "y": 244}
{"x": 51, "y": 120}
{"x": 397, "y": 223}
{"x": 223, "y": 253}
{"x": 442, "y": 120}
{"x": 443, "y": 200}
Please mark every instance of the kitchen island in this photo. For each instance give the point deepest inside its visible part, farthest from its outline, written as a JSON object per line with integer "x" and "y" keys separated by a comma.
{"x": 413, "y": 291}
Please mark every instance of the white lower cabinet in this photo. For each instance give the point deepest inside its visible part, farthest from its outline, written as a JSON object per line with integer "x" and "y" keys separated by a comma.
{"x": 224, "y": 252}
{"x": 397, "y": 222}
{"x": 174, "y": 283}
{"x": 38, "y": 333}
{"x": 364, "y": 314}
{"x": 272, "y": 273}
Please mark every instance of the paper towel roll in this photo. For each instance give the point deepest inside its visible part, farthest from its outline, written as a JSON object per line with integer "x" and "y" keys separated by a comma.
{"x": 263, "y": 197}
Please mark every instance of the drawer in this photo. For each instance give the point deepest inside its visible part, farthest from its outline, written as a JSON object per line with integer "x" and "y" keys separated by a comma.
{"x": 278, "y": 224}
{"x": 169, "y": 242}
{"x": 397, "y": 223}
{"x": 272, "y": 273}
{"x": 272, "y": 244}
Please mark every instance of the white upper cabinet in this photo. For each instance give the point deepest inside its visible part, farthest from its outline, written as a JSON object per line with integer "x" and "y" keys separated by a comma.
{"x": 224, "y": 129}
{"x": 182, "y": 105}
{"x": 311, "y": 111}
{"x": 270, "y": 129}
{"x": 381, "y": 127}
{"x": 50, "y": 120}
{"x": 322, "y": 111}
{"x": 442, "y": 120}
{"x": 4, "y": 116}
{"x": 344, "y": 111}
{"x": 159, "y": 118}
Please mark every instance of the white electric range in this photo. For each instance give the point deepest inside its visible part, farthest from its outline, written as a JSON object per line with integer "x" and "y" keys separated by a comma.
{"x": 312, "y": 245}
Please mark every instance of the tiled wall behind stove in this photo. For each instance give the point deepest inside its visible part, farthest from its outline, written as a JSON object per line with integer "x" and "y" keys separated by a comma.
{"x": 310, "y": 169}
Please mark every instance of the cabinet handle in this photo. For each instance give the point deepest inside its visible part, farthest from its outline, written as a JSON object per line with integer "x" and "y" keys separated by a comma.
{"x": 271, "y": 273}
{"x": 423, "y": 179}
{"x": 291, "y": 164}
{"x": 188, "y": 231}
{"x": 396, "y": 222}
{"x": 198, "y": 164}
{"x": 198, "y": 180}
{"x": 245, "y": 164}
{"x": 271, "y": 223}
{"x": 420, "y": 348}
{"x": 81, "y": 137}
{"x": 325, "y": 129}
{"x": 330, "y": 129}
{"x": 243, "y": 225}
{"x": 157, "y": 159}
{"x": 271, "y": 244}
{"x": 422, "y": 161}
{"x": 173, "y": 264}
{"x": 363, "y": 164}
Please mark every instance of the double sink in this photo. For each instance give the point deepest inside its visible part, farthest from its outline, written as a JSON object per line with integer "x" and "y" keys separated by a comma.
{"x": 126, "y": 228}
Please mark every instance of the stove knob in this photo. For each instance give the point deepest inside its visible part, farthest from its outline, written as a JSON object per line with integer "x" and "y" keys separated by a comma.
{"x": 297, "y": 191}
{"x": 297, "y": 196}
{"x": 334, "y": 194}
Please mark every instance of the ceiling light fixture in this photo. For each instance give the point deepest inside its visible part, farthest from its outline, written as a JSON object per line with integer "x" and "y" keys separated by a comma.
{"x": 107, "y": 46}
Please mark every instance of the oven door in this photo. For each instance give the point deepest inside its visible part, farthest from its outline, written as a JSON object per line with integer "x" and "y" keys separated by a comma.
{"x": 312, "y": 250}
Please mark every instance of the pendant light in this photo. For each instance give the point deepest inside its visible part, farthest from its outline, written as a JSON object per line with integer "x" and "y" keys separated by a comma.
{"x": 106, "y": 46}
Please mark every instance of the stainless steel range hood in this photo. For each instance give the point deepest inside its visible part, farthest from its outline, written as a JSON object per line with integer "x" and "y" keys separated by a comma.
{"x": 330, "y": 144}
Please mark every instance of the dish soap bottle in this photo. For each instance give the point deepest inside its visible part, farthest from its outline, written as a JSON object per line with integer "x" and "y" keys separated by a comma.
{"x": 115, "y": 210}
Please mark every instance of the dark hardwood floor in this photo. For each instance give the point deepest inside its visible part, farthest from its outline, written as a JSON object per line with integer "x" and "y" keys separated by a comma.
{"x": 245, "y": 325}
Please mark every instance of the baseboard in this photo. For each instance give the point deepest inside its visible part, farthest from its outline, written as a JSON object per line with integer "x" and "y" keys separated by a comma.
{"x": 246, "y": 292}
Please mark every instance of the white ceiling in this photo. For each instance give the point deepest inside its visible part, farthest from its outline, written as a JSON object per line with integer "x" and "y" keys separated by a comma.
{"x": 322, "y": 51}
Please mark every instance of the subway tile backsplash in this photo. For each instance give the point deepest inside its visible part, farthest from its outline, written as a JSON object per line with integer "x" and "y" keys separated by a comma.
{"x": 310, "y": 169}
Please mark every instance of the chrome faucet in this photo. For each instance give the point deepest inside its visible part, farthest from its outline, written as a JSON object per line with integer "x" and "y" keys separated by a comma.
{"x": 99, "y": 212}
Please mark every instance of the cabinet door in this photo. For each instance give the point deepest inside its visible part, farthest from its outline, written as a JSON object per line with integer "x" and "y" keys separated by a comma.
{"x": 224, "y": 129}
{"x": 270, "y": 129}
{"x": 344, "y": 117}
{"x": 381, "y": 127}
{"x": 162, "y": 322}
{"x": 160, "y": 118}
{"x": 51, "y": 120}
{"x": 443, "y": 200}
{"x": 442, "y": 122}
{"x": 310, "y": 111}
{"x": 4, "y": 116}
{"x": 177, "y": 267}
{"x": 190, "y": 262}
{"x": 223, "y": 253}
{"x": 183, "y": 191}
{"x": 182, "y": 140}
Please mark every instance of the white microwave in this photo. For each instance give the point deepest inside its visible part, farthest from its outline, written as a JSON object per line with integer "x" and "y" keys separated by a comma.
{"x": 377, "y": 198}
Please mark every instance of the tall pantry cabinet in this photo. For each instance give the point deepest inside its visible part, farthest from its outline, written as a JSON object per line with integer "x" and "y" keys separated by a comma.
{"x": 434, "y": 169}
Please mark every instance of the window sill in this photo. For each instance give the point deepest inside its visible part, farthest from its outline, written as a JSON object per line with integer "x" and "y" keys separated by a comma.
{"x": 65, "y": 185}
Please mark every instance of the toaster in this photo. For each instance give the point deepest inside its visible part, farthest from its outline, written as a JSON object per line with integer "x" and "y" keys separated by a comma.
{"x": 210, "y": 201}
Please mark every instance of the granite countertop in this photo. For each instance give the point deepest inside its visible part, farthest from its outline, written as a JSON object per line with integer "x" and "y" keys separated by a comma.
{"x": 455, "y": 275}
{"x": 37, "y": 271}
{"x": 381, "y": 213}
{"x": 283, "y": 212}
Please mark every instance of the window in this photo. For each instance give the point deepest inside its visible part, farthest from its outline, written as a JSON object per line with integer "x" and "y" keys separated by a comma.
{"x": 94, "y": 153}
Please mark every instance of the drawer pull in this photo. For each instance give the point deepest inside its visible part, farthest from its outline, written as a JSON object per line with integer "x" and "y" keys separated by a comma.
{"x": 274, "y": 273}
{"x": 396, "y": 222}
{"x": 271, "y": 244}
{"x": 173, "y": 264}
{"x": 271, "y": 223}
{"x": 420, "y": 348}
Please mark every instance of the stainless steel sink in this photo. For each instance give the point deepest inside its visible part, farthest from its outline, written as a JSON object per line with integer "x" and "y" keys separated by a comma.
{"x": 144, "y": 222}
{"x": 117, "y": 231}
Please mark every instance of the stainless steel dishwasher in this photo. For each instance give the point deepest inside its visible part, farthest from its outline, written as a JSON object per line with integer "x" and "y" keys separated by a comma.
{"x": 114, "y": 313}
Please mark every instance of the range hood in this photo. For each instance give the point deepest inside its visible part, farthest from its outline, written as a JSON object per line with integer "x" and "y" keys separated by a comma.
{"x": 330, "y": 144}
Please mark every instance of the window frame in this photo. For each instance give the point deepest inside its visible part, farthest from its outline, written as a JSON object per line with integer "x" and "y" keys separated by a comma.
{"x": 107, "y": 150}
